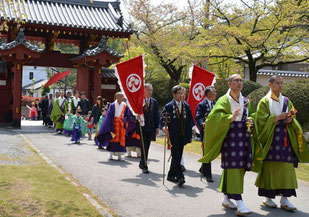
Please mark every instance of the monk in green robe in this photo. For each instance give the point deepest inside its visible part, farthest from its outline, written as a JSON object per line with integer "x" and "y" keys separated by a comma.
{"x": 284, "y": 146}
{"x": 228, "y": 131}
{"x": 58, "y": 112}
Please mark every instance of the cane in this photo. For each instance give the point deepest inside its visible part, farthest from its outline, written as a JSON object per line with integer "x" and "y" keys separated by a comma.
{"x": 166, "y": 117}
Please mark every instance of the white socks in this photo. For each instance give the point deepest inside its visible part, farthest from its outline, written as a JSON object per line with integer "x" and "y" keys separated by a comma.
{"x": 286, "y": 203}
{"x": 241, "y": 207}
{"x": 109, "y": 156}
{"x": 270, "y": 203}
{"x": 226, "y": 202}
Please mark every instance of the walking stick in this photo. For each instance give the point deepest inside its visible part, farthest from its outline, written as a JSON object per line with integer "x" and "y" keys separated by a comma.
{"x": 166, "y": 117}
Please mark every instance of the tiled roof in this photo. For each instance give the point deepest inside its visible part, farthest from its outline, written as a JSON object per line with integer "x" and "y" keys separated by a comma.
{"x": 102, "y": 46}
{"x": 108, "y": 73}
{"x": 99, "y": 15}
{"x": 20, "y": 39}
{"x": 266, "y": 72}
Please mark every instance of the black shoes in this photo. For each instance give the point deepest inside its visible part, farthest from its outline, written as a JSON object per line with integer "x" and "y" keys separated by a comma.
{"x": 172, "y": 179}
{"x": 145, "y": 170}
{"x": 181, "y": 182}
{"x": 209, "y": 179}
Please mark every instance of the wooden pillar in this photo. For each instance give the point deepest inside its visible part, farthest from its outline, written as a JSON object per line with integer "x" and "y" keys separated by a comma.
{"x": 83, "y": 80}
{"x": 97, "y": 82}
{"x": 6, "y": 115}
{"x": 17, "y": 69}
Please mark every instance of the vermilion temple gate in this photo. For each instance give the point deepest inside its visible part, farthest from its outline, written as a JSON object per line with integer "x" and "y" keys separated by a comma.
{"x": 87, "y": 24}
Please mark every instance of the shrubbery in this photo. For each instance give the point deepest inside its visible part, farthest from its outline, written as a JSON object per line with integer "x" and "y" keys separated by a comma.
{"x": 162, "y": 89}
{"x": 222, "y": 87}
{"x": 296, "y": 91}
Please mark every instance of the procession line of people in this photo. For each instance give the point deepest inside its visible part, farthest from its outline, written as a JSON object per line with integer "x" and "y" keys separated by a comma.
{"x": 268, "y": 141}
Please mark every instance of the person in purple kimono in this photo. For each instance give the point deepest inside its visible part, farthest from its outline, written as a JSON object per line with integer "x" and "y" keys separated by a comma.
{"x": 133, "y": 141}
{"x": 284, "y": 146}
{"x": 228, "y": 134}
{"x": 113, "y": 130}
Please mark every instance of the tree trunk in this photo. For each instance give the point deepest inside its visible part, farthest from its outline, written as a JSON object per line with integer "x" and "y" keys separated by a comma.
{"x": 252, "y": 71}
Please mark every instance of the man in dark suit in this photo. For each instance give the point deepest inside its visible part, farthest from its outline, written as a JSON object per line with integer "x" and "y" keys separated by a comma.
{"x": 84, "y": 104}
{"x": 44, "y": 107}
{"x": 202, "y": 111}
{"x": 180, "y": 132}
{"x": 151, "y": 124}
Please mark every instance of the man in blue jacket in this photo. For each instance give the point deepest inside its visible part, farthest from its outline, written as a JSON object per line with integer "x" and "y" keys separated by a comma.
{"x": 202, "y": 111}
{"x": 180, "y": 132}
{"x": 151, "y": 126}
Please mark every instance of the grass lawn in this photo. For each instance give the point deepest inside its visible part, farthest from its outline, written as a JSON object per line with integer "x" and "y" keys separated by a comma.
{"x": 194, "y": 147}
{"x": 302, "y": 171}
{"x": 37, "y": 189}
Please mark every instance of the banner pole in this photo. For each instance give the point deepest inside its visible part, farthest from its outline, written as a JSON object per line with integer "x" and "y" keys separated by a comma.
{"x": 127, "y": 44}
{"x": 143, "y": 146}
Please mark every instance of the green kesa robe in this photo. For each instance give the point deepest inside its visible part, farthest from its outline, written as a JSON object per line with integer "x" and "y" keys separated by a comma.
{"x": 56, "y": 114}
{"x": 216, "y": 128}
{"x": 278, "y": 175}
{"x": 69, "y": 105}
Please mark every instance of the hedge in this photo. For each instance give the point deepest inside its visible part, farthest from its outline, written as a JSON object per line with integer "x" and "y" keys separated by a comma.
{"x": 296, "y": 91}
{"x": 162, "y": 89}
{"x": 222, "y": 87}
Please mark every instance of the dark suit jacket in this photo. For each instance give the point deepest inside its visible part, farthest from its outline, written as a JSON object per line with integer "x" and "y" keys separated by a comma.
{"x": 44, "y": 107}
{"x": 96, "y": 113}
{"x": 85, "y": 106}
{"x": 202, "y": 110}
{"x": 152, "y": 117}
{"x": 174, "y": 126}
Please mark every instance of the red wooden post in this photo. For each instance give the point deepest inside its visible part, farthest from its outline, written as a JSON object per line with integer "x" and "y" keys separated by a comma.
{"x": 84, "y": 82}
{"x": 17, "y": 69}
{"x": 97, "y": 77}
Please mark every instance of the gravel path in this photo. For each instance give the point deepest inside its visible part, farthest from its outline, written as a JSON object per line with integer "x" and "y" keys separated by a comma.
{"x": 12, "y": 149}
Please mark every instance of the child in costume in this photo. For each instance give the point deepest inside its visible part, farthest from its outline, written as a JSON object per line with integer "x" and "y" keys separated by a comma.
{"x": 33, "y": 113}
{"x": 89, "y": 125}
{"x": 79, "y": 126}
{"x": 103, "y": 113}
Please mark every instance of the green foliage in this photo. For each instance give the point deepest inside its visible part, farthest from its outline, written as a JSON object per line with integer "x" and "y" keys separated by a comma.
{"x": 45, "y": 90}
{"x": 257, "y": 95}
{"x": 66, "y": 48}
{"x": 296, "y": 91}
{"x": 162, "y": 89}
{"x": 117, "y": 44}
{"x": 249, "y": 87}
{"x": 222, "y": 87}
